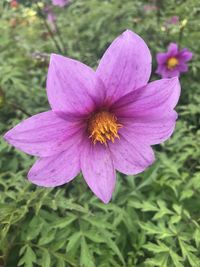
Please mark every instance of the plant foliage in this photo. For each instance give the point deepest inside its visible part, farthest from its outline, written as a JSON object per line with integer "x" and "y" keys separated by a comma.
{"x": 154, "y": 217}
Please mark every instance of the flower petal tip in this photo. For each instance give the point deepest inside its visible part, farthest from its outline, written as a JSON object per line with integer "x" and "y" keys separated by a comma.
{"x": 7, "y": 136}
{"x": 105, "y": 199}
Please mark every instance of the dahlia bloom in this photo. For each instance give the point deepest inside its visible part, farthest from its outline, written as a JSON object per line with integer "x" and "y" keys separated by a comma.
{"x": 173, "y": 62}
{"x": 100, "y": 121}
{"x": 60, "y": 3}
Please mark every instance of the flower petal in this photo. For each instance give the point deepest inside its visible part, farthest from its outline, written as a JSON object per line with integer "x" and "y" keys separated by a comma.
{"x": 98, "y": 170}
{"x": 73, "y": 86}
{"x": 162, "y": 58}
{"x": 44, "y": 134}
{"x": 185, "y": 55}
{"x": 150, "y": 128}
{"x": 56, "y": 170}
{"x": 129, "y": 155}
{"x": 172, "y": 49}
{"x": 161, "y": 95}
{"x": 182, "y": 67}
{"x": 125, "y": 66}
{"x": 166, "y": 73}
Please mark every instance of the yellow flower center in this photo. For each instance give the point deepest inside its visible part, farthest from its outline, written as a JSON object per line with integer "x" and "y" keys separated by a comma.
{"x": 103, "y": 126}
{"x": 172, "y": 62}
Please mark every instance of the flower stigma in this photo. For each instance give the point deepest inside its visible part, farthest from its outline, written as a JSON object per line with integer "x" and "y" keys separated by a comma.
{"x": 103, "y": 127}
{"x": 172, "y": 62}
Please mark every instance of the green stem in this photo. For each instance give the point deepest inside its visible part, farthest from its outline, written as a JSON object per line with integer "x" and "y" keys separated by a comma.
{"x": 49, "y": 29}
{"x": 61, "y": 39}
{"x": 16, "y": 107}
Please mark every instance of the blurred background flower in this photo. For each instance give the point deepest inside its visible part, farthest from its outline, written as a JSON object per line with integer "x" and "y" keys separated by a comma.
{"x": 51, "y": 17}
{"x": 14, "y": 3}
{"x": 60, "y": 3}
{"x": 173, "y": 62}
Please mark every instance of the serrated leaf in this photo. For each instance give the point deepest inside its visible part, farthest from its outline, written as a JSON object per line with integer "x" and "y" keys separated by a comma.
{"x": 175, "y": 219}
{"x": 60, "y": 263}
{"x": 99, "y": 224}
{"x": 176, "y": 259}
{"x": 148, "y": 206}
{"x": 63, "y": 222}
{"x": 160, "y": 260}
{"x": 73, "y": 240}
{"x": 47, "y": 237}
{"x": 114, "y": 248}
{"x": 193, "y": 260}
{"x": 197, "y": 236}
{"x": 86, "y": 259}
{"x": 46, "y": 259}
{"x": 161, "y": 247}
{"x": 94, "y": 236}
{"x": 28, "y": 258}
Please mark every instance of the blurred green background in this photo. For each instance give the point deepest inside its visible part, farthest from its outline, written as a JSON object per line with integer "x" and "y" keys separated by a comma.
{"x": 153, "y": 218}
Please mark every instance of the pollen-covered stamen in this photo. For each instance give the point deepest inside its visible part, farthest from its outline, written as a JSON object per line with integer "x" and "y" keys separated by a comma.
{"x": 103, "y": 126}
{"x": 172, "y": 62}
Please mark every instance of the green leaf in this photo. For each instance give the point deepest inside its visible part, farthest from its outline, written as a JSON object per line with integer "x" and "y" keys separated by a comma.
{"x": 176, "y": 259}
{"x": 114, "y": 248}
{"x": 46, "y": 259}
{"x": 47, "y": 237}
{"x": 148, "y": 206}
{"x": 197, "y": 236}
{"x": 63, "y": 222}
{"x": 73, "y": 240}
{"x": 60, "y": 263}
{"x": 193, "y": 260}
{"x": 98, "y": 223}
{"x": 175, "y": 219}
{"x": 161, "y": 247}
{"x": 28, "y": 258}
{"x": 160, "y": 260}
{"x": 94, "y": 236}
{"x": 86, "y": 259}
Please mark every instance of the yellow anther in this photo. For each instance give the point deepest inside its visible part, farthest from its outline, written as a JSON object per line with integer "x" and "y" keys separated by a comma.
{"x": 172, "y": 62}
{"x": 102, "y": 127}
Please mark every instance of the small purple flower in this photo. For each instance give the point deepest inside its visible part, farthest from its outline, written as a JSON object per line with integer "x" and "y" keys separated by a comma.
{"x": 100, "y": 121}
{"x": 173, "y": 20}
{"x": 173, "y": 62}
{"x": 60, "y": 3}
{"x": 51, "y": 17}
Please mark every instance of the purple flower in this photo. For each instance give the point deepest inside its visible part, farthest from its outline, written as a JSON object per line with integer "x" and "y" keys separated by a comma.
{"x": 173, "y": 62}
{"x": 51, "y": 18}
{"x": 60, "y": 3}
{"x": 99, "y": 121}
{"x": 173, "y": 20}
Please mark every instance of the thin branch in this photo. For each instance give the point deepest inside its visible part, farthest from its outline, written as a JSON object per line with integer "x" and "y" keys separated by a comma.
{"x": 16, "y": 107}
{"x": 48, "y": 28}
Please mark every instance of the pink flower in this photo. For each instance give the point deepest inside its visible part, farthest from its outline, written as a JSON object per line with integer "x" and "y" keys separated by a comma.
{"x": 100, "y": 121}
{"x": 60, "y": 3}
{"x": 14, "y": 4}
{"x": 173, "y": 62}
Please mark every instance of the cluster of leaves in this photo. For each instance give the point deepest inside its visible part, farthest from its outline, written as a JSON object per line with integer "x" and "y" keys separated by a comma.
{"x": 153, "y": 219}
